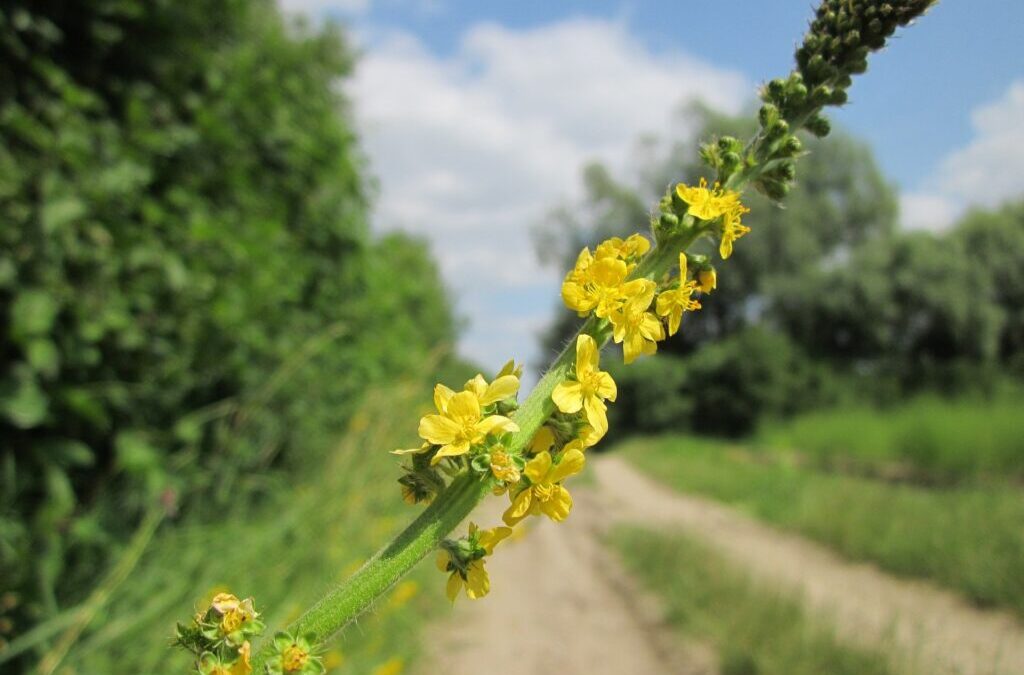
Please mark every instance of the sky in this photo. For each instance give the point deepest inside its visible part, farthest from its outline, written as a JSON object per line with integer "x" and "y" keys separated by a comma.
{"x": 477, "y": 118}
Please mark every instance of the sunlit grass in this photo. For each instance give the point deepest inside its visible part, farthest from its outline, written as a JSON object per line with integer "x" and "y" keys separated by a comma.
{"x": 970, "y": 539}
{"x": 753, "y": 629}
{"x": 929, "y": 440}
{"x": 284, "y": 551}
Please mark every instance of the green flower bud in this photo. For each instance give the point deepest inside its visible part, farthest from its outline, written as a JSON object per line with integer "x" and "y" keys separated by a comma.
{"x": 818, "y": 125}
{"x": 768, "y": 115}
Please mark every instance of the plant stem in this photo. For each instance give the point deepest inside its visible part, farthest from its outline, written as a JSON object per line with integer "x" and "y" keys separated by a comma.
{"x": 349, "y": 599}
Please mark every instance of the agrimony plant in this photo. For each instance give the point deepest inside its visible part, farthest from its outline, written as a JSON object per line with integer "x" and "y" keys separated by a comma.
{"x": 632, "y": 292}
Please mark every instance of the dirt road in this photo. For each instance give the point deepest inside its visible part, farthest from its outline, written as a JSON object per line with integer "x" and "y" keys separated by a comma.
{"x": 560, "y": 603}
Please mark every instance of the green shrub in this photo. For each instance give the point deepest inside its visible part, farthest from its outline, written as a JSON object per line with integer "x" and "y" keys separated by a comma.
{"x": 187, "y": 285}
{"x": 928, "y": 439}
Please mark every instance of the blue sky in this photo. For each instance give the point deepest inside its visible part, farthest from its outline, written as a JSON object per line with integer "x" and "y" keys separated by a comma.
{"x": 477, "y": 116}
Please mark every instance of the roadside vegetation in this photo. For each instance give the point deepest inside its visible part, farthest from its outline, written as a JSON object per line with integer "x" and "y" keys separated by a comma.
{"x": 967, "y": 537}
{"x": 308, "y": 533}
{"x": 753, "y": 630}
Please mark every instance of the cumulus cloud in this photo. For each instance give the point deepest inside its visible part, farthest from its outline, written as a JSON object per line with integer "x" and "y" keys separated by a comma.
{"x": 317, "y": 8}
{"x": 985, "y": 172}
{"x": 471, "y": 149}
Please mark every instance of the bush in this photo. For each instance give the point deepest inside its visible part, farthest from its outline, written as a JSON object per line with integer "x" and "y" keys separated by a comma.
{"x": 186, "y": 279}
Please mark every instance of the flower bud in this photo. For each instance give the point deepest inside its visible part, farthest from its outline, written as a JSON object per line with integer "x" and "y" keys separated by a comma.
{"x": 818, "y": 125}
{"x": 707, "y": 280}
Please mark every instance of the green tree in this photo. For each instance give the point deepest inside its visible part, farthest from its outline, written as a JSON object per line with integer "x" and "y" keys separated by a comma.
{"x": 188, "y": 287}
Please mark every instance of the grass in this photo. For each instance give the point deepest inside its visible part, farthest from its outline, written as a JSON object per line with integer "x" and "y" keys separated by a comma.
{"x": 970, "y": 538}
{"x": 284, "y": 552}
{"x": 928, "y": 440}
{"x": 754, "y": 630}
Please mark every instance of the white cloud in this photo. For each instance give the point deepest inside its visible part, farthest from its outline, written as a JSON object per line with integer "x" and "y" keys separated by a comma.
{"x": 985, "y": 172}
{"x": 472, "y": 149}
{"x": 316, "y": 8}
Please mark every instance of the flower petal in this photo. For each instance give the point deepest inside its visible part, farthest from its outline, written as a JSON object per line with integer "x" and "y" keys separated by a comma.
{"x": 537, "y": 468}
{"x": 442, "y": 395}
{"x": 520, "y": 506}
{"x": 571, "y": 464}
{"x": 465, "y": 404}
{"x": 478, "y": 584}
{"x": 558, "y": 507}
{"x": 568, "y": 396}
{"x": 597, "y": 413}
{"x": 502, "y": 388}
{"x": 587, "y": 356}
{"x": 606, "y": 388}
{"x": 454, "y": 586}
{"x": 438, "y": 429}
{"x": 496, "y": 423}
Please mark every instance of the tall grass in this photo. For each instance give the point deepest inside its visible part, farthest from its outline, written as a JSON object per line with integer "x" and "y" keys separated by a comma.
{"x": 969, "y": 538}
{"x": 929, "y": 439}
{"x": 754, "y": 630}
{"x": 284, "y": 551}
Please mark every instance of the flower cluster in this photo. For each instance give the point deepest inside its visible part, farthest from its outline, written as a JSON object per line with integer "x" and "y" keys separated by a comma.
{"x": 463, "y": 560}
{"x": 220, "y": 637}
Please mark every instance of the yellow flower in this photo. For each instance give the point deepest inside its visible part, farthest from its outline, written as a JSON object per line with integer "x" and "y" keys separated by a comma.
{"x": 294, "y": 659}
{"x": 502, "y": 466}
{"x": 704, "y": 203}
{"x": 673, "y": 303}
{"x": 234, "y": 612}
{"x": 636, "y": 328}
{"x": 590, "y": 389}
{"x": 707, "y": 280}
{"x": 633, "y": 246}
{"x": 460, "y": 424}
{"x": 732, "y": 228}
{"x": 511, "y": 368}
{"x": 545, "y": 493}
{"x": 474, "y": 579}
{"x": 600, "y": 288}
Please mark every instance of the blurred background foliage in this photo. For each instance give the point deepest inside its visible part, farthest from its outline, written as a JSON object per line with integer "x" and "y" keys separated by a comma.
{"x": 189, "y": 292}
{"x": 827, "y": 302}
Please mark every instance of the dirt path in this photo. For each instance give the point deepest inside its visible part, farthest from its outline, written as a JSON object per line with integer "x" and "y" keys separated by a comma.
{"x": 931, "y": 628}
{"x": 560, "y": 603}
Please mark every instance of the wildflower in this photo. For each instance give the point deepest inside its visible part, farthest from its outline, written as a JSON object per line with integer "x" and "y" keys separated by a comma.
{"x": 600, "y": 288}
{"x": 503, "y": 467}
{"x": 460, "y": 424}
{"x": 590, "y": 389}
{"x": 707, "y": 280}
{"x": 704, "y": 203}
{"x": 238, "y": 619}
{"x": 465, "y": 560}
{"x": 634, "y": 246}
{"x": 672, "y": 303}
{"x": 545, "y": 493}
{"x": 293, "y": 654}
{"x": 732, "y": 228}
{"x": 636, "y": 328}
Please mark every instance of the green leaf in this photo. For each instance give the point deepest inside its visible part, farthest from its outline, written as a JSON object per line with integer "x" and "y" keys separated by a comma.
{"x": 32, "y": 314}
{"x": 23, "y": 403}
{"x": 134, "y": 453}
{"x": 43, "y": 356}
{"x": 59, "y": 212}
